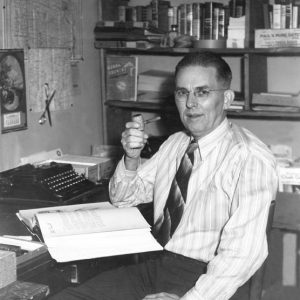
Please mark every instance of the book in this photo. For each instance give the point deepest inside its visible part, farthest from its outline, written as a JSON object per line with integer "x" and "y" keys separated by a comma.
{"x": 237, "y": 8}
{"x": 208, "y": 20}
{"x": 196, "y": 23}
{"x": 182, "y": 28}
{"x": 189, "y": 19}
{"x": 289, "y": 14}
{"x": 276, "y": 99}
{"x": 267, "y": 10}
{"x": 283, "y": 14}
{"x": 163, "y": 20}
{"x": 274, "y": 108}
{"x": 295, "y": 16}
{"x": 121, "y": 77}
{"x": 215, "y": 21}
{"x": 84, "y": 231}
{"x": 276, "y": 16}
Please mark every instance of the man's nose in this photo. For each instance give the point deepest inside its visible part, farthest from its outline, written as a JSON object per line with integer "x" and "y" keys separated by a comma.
{"x": 191, "y": 100}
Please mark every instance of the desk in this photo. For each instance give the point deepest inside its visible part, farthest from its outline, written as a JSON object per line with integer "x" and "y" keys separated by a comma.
{"x": 57, "y": 276}
{"x": 44, "y": 269}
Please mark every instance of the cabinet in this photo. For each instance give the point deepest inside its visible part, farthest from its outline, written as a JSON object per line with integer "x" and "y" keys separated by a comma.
{"x": 253, "y": 72}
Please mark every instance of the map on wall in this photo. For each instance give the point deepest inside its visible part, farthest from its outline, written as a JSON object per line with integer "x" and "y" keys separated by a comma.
{"x": 42, "y": 24}
{"x": 51, "y": 67}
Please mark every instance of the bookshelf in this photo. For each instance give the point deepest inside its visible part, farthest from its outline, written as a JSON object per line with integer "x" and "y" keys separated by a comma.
{"x": 254, "y": 72}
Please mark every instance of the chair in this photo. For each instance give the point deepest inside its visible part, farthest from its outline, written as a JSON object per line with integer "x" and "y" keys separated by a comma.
{"x": 256, "y": 281}
{"x": 252, "y": 289}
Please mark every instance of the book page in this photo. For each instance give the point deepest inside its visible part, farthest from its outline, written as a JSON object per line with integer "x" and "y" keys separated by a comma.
{"x": 28, "y": 215}
{"x": 80, "y": 221}
{"x": 104, "y": 244}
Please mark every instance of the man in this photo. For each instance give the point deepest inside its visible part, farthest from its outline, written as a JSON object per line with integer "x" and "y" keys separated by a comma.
{"x": 218, "y": 239}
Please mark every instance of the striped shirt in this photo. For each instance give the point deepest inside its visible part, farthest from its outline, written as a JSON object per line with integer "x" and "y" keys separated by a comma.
{"x": 232, "y": 184}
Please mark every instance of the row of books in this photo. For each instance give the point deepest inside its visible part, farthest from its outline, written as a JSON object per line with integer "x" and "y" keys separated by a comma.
{"x": 281, "y": 14}
{"x": 202, "y": 19}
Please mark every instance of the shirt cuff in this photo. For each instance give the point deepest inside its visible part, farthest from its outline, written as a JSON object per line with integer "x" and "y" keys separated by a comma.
{"x": 121, "y": 169}
{"x": 192, "y": 294}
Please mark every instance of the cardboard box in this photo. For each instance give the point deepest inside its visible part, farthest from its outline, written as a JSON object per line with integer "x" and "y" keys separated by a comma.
{"x": 273, "y": 38}
{"x": 94, "y": 168}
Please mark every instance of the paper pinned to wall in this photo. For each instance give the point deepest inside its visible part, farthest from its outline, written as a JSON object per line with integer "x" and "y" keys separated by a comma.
{"x": 50, "y": 66}
{"x": 42, "y": 24}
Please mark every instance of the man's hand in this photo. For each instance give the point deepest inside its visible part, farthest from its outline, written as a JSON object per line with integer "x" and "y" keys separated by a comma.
{"x": 162, "y": 296}
{"x": 133, "y": 141}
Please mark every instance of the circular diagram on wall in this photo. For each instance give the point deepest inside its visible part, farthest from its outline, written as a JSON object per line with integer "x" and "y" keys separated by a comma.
{"x": 12, "y": 90}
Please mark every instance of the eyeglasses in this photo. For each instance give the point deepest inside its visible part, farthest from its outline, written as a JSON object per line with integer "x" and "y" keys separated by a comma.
{"x": 200, "y": 93}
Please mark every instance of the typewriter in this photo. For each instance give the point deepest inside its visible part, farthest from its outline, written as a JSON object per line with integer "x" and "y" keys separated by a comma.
{"x": 54, "y": 182}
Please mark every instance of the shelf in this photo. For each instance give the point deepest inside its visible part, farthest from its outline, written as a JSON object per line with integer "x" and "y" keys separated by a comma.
{"x": 149, "y": 106}
{"x": 228, "y": 52}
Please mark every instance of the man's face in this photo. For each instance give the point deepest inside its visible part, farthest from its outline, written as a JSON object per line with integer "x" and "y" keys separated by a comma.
{"x": 201, "y": 113}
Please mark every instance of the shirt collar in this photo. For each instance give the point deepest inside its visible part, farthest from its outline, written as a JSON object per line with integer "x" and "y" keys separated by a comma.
{"x": 210, "y": 141}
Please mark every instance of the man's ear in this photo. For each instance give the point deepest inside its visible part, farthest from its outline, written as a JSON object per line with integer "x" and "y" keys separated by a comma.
{"x": 228, "y": 98}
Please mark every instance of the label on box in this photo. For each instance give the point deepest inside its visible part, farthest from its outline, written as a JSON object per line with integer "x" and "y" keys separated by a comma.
{"x": 273, "y": 38}
{"x": 289, "y": 175}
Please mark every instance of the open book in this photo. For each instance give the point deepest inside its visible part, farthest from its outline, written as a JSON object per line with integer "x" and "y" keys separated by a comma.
{"x": 84, "y": 231}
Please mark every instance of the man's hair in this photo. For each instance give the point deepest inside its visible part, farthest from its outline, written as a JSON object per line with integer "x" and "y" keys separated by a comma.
{"x": 207, "y": 59}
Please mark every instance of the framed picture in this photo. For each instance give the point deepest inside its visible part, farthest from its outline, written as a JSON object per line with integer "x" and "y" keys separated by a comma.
{"x": 12, "y": 91}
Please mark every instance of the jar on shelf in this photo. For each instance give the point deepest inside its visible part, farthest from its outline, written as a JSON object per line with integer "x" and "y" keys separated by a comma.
{"x": 172, "y": 35}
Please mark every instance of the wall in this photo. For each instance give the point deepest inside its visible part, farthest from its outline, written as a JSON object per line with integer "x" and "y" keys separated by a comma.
{"x": 73, "y": 130}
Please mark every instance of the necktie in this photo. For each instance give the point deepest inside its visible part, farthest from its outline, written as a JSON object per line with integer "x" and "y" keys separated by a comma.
{"x": 177, "y": 196}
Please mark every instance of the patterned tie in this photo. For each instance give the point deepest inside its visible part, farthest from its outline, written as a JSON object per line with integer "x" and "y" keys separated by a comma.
{"x": 177, "y": 196}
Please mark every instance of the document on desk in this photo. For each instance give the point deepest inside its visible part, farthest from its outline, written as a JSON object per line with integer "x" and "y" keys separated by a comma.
{"x": 84, "y": 231}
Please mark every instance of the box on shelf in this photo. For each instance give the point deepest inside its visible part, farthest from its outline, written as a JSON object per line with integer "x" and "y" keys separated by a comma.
{"x": 272, "y": 38}
{"x": 121, "y": 77}
{"x": 289, "y": 178}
